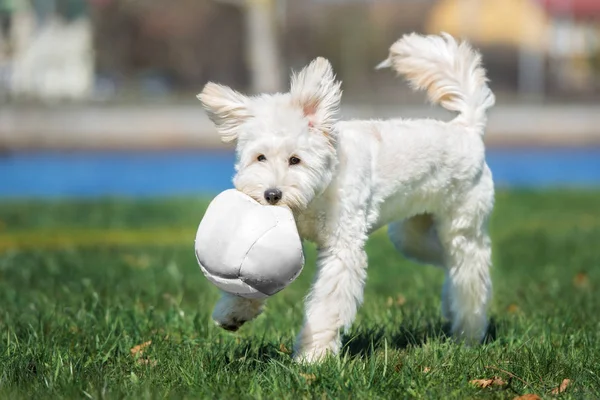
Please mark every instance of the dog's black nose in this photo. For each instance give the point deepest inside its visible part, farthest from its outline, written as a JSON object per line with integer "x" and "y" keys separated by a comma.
{"x": 273, "y": 195}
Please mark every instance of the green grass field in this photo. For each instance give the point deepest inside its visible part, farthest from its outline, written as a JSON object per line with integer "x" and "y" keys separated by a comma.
{"x": 105, "y": 300}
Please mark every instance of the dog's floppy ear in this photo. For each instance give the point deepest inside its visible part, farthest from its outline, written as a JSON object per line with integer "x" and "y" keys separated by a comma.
{"x": 226, "y": 108}
{"x": 318, "y": 94}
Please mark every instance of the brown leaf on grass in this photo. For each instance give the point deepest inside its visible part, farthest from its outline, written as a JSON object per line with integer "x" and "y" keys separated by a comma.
{"x": 512, "y": 309}
{"x": 528, "y": 396}
{"x": 398, "y": 366}
{"x": 284, "y": 349}
{"x": 309, "y": 378}
{"x": 497, "y": 381}
{"x": 400, "y": 301}
{"x": 139, "y": 349}
{"x": 426, "y": 370}
{"x": 483, "y": 383}
{"x": 581, "y": 280}
{"x": 562, "y": 387}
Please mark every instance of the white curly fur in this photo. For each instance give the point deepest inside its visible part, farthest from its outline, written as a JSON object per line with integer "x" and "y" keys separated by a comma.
{"x": 315, "y": 90}
{"x": 226, "y": 108}
{"x": 450, "y": 72}
{"x": 426, "y": 179}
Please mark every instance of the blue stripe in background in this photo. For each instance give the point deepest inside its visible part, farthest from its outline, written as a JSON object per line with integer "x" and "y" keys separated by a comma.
{"x": 180, "y": 173}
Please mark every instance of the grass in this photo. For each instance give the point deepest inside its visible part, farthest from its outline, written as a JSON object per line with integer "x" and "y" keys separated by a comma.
{"x": 84, "y": 284}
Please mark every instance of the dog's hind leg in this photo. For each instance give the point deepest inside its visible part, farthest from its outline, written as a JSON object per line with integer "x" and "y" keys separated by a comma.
{"x": 467, "y": 290}
{"x": 417, "y": 239}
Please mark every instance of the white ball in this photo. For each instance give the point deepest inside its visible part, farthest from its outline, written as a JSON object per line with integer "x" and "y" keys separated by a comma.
{"x": 246, "y": 248}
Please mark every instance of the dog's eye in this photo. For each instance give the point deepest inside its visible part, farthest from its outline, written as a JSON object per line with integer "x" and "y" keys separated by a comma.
{"x": 294, "y": 160}
{"x": 261, "y": 158}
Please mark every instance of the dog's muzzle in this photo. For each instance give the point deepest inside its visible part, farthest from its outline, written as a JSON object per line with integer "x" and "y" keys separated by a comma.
{"x": 273, "y": 196}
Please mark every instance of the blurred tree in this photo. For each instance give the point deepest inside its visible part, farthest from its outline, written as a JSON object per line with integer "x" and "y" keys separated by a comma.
{"x": 7, "y": 10}
{"x": 262, "y": 50}
{"x": 72, "y": 9}
{"x": 184, "y": 46}
{"x": 250, "y": 44}
{"x": 43, "y": 10}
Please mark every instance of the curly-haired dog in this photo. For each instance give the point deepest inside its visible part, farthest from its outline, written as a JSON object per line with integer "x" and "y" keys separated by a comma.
{"x": 426, "y": 179}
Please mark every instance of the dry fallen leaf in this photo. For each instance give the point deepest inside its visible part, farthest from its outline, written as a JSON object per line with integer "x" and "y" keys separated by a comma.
{"x": 284, "y": 349}
{"x": 398, "y": 366}
{"x": 139, "y": 349}
{"x": 426, "y": 370}
{"x": 512, "y": 309}
{"x": 528, "y": 396}
{"x": 483, "y": 383}
{"x": 498, "y": 381}
{"x": 310, "y": 378}
{"x": 562, "y": 387}
{"x": 581, "y": 280}
{"x": 400, "y": 300}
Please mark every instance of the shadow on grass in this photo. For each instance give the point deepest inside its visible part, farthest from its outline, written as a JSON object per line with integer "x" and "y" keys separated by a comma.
{"x": 365, "y": 342}
{"x": 251, "y": 352}
{"x": 362, "y": 344}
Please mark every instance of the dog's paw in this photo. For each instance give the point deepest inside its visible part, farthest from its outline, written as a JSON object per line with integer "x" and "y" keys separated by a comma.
{"x": 314, "y": 348}
{"x": 231, "y": 312}
{"x": 313, "y": 355}
{"x": 469, "y": 331}
{"x": 230, "y": 325}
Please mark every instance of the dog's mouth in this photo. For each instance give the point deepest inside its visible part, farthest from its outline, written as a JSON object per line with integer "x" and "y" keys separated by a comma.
{"x": 262, "y": 201}
{"x": 288, "y": 198}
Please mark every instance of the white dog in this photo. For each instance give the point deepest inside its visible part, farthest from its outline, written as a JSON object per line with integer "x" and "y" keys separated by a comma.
{"x": 427, "y": 179}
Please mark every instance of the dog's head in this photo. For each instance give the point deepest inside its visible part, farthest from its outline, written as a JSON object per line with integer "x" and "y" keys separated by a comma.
{"x": 285, "y": 143}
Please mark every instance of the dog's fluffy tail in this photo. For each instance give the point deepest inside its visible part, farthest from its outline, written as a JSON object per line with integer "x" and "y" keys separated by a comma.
{"x": 450, "y": 72}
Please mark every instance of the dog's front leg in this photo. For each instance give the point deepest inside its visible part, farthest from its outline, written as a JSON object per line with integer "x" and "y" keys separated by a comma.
{"x": 333, "y": 301}
{"x": 231, "y": 311}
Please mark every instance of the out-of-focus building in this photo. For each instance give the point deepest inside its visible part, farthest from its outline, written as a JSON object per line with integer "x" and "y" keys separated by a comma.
{"x": 150, "y": 58}
{"x": 557, "y": 38}
{"x": 167, "y": 50}
{"x": 52, "y": 54}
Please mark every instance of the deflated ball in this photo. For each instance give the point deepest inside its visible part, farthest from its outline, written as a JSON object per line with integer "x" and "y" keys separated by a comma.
{"x": 246, "y": 248}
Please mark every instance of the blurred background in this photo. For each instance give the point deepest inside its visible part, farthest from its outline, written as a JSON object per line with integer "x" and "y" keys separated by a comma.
{"x": 97, "y": 97}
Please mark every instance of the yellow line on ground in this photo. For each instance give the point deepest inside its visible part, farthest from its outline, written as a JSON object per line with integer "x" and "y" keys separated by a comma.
{"x": 163, "y": 236}
{"x": 68, "y": 238}
{"x": 95, "y": 237}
